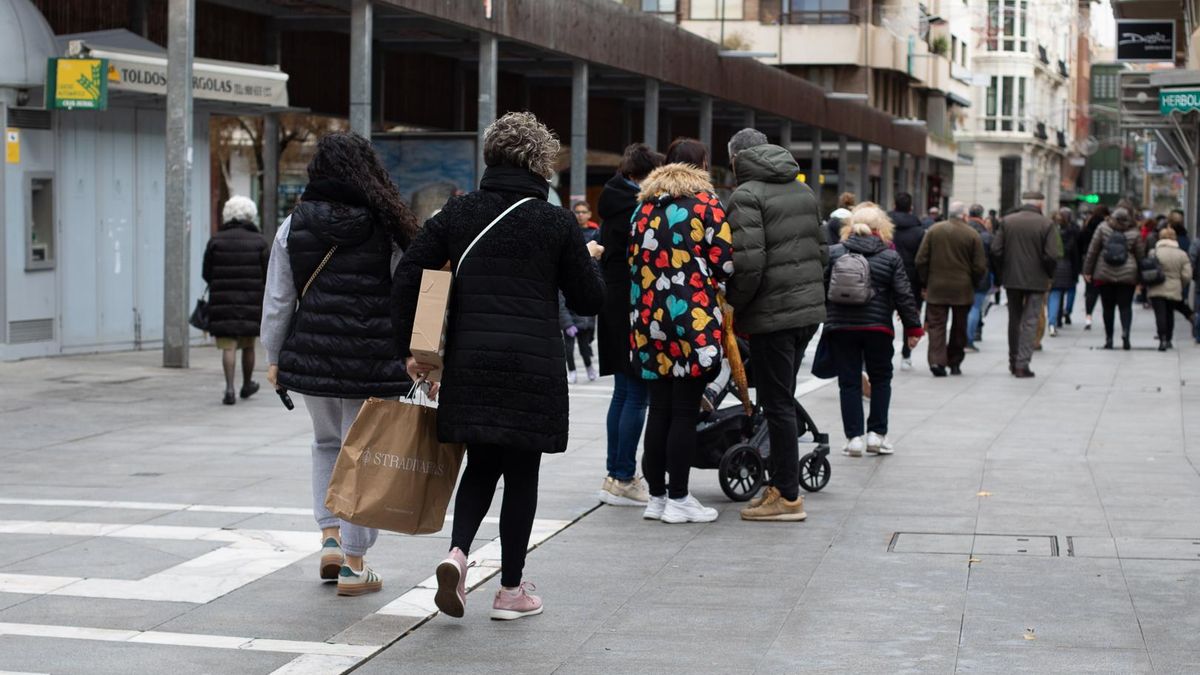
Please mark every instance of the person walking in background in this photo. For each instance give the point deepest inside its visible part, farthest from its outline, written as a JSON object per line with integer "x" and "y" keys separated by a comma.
{"x": 983, "y": 288}
{"x": 908, "y": 235}
{"x": 932, "y": 217}
{"x": 627, "y": 410}
{"x": 502, "y": 391}
{"x": 1167, "y": 297}
{"x": 576, "y": 327}
{"x": 778, "y": 296}
{"x": 235, "y": 268}
{"x": 1194, "y": 259}
{"x": 833, "y": 225}
{"x": 861, "y": 335}
{"x": 1026, "y": 252}
{"x": 1066, "y": 272}
{"x": 679, "y": 250}
{"x": 325, "y": 320}
{"x": 1112, "y": 263}
{"x": 951, "y": 262}
{"x": 1091, "y": 292}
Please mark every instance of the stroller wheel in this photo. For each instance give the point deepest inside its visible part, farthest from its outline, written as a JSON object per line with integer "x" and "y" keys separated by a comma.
{"x": 814, "y": 471}
{"x": 741, "y": 472}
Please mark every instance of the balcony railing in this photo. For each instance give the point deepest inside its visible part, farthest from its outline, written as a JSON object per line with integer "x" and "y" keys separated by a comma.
{"x": 1040, "y": 132}
{"x": 1042, "y": 55}
{"x": 1063, "y": 69}
{"x": 1004, "y": 123}
{"x": 837, "y": 14}
{"x": 1062, "y": 138}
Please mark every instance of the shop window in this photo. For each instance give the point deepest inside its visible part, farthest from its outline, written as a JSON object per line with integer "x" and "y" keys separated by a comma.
{"x": 713, "y": 10}
{"x": 39, "y": 224}
{"x": 659, "y": 6}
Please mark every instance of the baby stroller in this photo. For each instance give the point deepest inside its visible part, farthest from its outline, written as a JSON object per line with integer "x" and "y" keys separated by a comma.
{"x": 734, "y": 441}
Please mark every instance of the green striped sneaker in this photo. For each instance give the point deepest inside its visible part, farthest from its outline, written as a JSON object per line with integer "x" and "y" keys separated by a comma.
{"x": 331, "y": 559}
{"x": 358, "y": 583}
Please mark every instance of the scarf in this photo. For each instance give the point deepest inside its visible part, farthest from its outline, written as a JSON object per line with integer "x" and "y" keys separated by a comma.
{"x": 514, "y": 181}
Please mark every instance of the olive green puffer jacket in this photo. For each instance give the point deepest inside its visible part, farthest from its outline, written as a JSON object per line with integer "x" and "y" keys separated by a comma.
{"x": 779, "y": 247}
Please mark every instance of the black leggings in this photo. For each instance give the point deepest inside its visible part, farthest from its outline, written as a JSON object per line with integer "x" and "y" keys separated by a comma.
{"x": 1164, "y": 316}
{"x": 1091, "y": 293}
{"x": 1117, "y": 297}
{"x": 671, "y": 434}
{"x": 485, "y": 465}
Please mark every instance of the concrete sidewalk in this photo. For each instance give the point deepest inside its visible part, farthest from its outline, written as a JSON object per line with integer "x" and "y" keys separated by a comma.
{"x": 1045, "y": 525}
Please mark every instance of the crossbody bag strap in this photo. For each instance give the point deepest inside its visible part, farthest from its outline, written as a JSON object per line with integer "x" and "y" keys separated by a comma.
{"x": 318, "y": 270}
{"x": 485, "y": 231}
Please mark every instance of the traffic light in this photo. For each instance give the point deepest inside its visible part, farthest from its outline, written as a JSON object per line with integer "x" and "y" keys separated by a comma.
{"x": 1090, "y": 199}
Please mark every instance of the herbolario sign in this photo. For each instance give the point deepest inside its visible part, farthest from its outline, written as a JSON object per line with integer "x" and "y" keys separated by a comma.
{"x": 1145, "y": 40}
{"x": 1183, "y": 100}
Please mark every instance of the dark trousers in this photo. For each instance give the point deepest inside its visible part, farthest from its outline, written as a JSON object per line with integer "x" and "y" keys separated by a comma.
{"x": 485, "y": 465}
{"x": 585, "y": 338}
{"x": 1164, "y": 316}
{"x": 671, "y": 434}
{"x": 852, "y": 351}
{"x": 905, "y": 352}
{"x": 777, "y": 359}
{"x": 942, "y": 351}
{"x": 1114, "y": 297}
{"x": 1024, "y": 315}
{"x": 1091, "y": 293}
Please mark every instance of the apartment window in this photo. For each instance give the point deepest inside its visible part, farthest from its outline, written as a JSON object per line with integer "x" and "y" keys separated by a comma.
{"x": 820, "y": 11}
{"x": 1007, "y": 25}
{"x": 962, "y": 53}
{"x": 712, "y": 10}
{"x": 1005, "y": 109}
{"x": 1104, "y": 86}
{"x": 659, "y": 6}
{"x": 953, "y": 49}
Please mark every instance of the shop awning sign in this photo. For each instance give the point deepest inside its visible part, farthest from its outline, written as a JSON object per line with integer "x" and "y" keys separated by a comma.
{"x": 1182, "y": 100}
{"x": 1145, "y": 40}
{"x": 77, "y": 84}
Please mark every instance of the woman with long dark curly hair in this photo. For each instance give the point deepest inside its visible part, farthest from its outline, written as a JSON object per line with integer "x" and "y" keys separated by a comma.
{"x": 326, "y": 320}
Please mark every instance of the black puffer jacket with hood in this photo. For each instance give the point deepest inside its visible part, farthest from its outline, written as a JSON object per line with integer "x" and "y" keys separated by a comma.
{"x": 908, "y": 236}
{"x": 893, "y": 293}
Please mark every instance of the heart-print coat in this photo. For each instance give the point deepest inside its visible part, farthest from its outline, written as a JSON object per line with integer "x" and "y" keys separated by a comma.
{"x": 680, "y": 247}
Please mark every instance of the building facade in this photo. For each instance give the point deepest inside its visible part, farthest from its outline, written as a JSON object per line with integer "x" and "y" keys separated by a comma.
{"x": 1025, "y": 123}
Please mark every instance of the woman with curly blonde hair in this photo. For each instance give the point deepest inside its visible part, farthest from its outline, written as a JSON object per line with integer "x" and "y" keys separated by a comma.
{"x": 861, "y": 335}
{"x": 502, "y": 392}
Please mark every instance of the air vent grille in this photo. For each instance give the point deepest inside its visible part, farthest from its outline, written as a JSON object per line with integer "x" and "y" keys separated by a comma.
{"x": 29, "y": 118}
{"x": 34, "y": 330}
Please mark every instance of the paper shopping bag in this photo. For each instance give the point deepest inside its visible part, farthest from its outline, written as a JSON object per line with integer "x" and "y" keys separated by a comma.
{"x": 393, "y": 473}
{"x": 428, "y": 344}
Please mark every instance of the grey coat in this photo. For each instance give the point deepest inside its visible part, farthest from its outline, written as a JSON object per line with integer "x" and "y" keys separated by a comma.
{"x": 1026, "y": 250}
{"x": 779, "y": 245}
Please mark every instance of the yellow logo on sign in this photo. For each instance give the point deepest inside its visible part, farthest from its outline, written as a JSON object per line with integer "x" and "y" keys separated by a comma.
{"x": 78, "y": 84}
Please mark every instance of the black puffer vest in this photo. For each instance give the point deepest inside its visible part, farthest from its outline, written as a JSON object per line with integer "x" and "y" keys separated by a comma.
{"x": 235, "y": 267}
{"x": 341, "y": 343}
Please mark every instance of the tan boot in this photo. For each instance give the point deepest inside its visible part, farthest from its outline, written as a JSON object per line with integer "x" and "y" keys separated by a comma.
{"x": 776, "y": 508}
{"x": 762, "y": 496}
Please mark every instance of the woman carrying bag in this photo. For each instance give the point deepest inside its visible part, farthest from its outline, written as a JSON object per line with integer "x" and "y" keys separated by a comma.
{"x": 502, "y": 393}
{"x": 326, "y": 320}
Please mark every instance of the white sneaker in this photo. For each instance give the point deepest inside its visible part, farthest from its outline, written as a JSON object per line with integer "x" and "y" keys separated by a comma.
{"x": 878, "y": 445}
{"x": 688, "y": 510}
{"x": 655, "y": 508}
{"x": 905, "y": 364}
{"x": 592, "y": 374}
{"x": 628, "y": 493}
{"x": 854, "y": 447}
{"x": 572, "y": 377}
{"x": 1053, "y": 331}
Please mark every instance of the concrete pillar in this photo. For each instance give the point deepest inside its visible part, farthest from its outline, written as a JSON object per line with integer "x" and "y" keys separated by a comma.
{"x": 139, "y": 21}
{"x": 885, "y": 179}
{"x": 489, "y": 57}
{"x": 749, "y": 119}
{"x": 706, "y": 125}
{"x": 7, "y": 98}
{"x": 270, "y": 184}
{"x": 902, "y": 170}
{"x": 843, "y": 160}
{"x": 181, "y": 27}
{"x": 579, "y": 121}
{"x": 864, "y": 174}
{"x": 272, "y": 45}
{"x": 361, "y": 14}
{"x": 650, "y": 117}
{"x": 814, "y": 166}
{"x": 922, "y": 189}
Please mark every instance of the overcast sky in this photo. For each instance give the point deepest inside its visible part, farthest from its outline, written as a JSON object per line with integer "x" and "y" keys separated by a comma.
{"x": 1104, "y": 28}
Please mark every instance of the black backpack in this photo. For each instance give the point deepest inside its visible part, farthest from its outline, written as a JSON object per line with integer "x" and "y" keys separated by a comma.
{"x": 1150, "y": 271}
{"x": 1116, "y": 249}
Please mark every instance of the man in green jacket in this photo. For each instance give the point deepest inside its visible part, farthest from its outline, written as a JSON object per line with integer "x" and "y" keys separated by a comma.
{"x": 951, "y": 263}
{"x": 1026, "y": 250}
{"x": 778, "y": 295}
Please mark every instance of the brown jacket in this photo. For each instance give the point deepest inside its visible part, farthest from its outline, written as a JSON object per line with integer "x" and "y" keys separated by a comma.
{"x": 951, "y": 263}
{"x": 1176, "y": 268}
{"x": 1026, "y": 250}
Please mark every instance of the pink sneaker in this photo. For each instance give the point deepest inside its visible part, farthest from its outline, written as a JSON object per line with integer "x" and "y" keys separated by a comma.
{"x": 451, "y": 597}
{"x": 516, "y": 603}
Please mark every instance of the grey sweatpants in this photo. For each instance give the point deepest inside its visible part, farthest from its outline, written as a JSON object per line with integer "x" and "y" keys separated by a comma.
{"x": 331, "y": 418}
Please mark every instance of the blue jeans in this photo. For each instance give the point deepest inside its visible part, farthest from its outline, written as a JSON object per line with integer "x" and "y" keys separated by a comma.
{"x": 975, "y": 316}
{"x": 1061, "y": 302}
{"x": 626, "y": 417}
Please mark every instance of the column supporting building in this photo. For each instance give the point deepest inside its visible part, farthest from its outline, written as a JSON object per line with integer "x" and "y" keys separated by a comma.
{"x": 579, "y": 121}
{"x": 489, "y": 57}
{"x": 706, "y": 123}
{"x": 361, "y": 13}
{"x": 650, "y": 115}
{"x": 181, "y": 48}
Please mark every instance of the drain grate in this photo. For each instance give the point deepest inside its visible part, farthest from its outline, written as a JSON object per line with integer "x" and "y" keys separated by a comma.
{"x": 1133, "y": 548}
{"x": 950, "y": 543}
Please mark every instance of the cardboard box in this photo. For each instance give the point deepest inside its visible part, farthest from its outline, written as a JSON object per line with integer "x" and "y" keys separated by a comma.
{"x": 428, "y": 344}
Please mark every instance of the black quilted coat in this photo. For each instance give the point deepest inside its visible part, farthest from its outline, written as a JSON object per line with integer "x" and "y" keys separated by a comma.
{"x": 617, "y": 202}
{"x": 235, "y": 267}
{"x": 893, "y": 293}
{"x": 505, "y": 380}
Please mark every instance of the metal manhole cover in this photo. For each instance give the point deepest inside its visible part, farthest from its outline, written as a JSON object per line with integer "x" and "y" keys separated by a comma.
{"x": 1032, "y": 545}
{"x": 1134, "y": 548}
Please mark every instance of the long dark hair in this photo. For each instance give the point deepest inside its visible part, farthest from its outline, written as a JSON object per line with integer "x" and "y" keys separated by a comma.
{"x": 349, "y": 158}
{"x": 687, "y": 151}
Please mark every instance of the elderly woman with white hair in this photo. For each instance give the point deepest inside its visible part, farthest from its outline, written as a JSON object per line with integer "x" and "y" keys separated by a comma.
{"x": 861, "y": 334}
{"x": 235, "y": 268}
{"x": 502, "y": 393}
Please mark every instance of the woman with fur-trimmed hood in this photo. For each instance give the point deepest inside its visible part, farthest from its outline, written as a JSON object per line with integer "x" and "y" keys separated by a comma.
{"x": 679, "y": 249}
